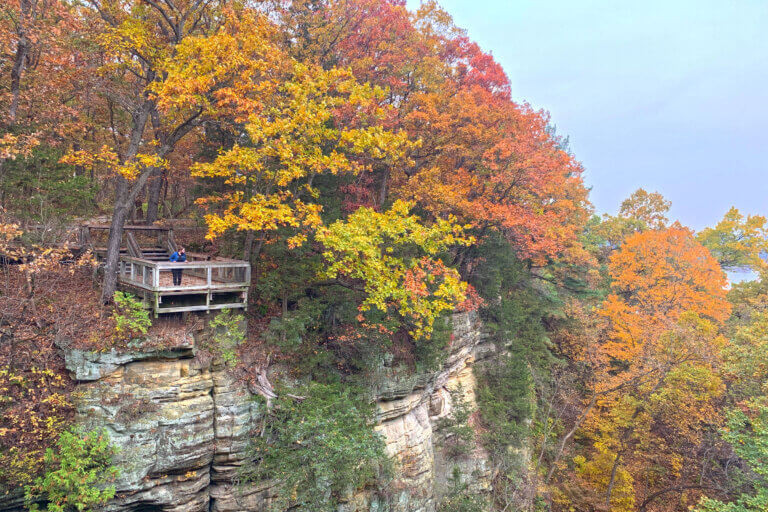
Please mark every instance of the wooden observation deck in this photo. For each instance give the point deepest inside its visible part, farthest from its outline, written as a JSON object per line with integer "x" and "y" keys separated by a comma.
{"x": 145, "y": 270}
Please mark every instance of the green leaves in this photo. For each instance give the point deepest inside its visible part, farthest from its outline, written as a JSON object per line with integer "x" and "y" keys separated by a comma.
{"x": 318, "y": 448}
{"x": 77, "y": 471}
{"x": 228, "y": 335}
{"x": 747, "y": 432}
{"x": 130, "y": 316}
{"x": 737, "y": 241}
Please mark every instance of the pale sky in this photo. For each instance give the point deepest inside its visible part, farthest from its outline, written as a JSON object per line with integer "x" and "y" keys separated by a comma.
{"x": 670, "y": 96}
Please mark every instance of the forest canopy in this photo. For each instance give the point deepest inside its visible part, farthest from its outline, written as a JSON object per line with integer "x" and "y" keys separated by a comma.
{"x": 374, "y": 167}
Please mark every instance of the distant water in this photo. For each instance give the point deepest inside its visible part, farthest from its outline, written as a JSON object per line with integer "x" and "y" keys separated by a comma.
{"x": 741, "y": 276}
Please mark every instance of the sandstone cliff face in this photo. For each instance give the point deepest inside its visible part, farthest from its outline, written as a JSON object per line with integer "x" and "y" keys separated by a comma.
{"x": 183, "y": 426}
{"x": 413, "y": 413}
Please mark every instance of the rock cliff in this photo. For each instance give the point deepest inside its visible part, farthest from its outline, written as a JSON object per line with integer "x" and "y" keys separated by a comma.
{"x": 182, "y": 426}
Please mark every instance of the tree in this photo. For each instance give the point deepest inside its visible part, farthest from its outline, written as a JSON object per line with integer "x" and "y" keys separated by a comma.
{"x": 737, "y": 242}
{"x": 76, "y": 472}
{"x": 395, "y": 257}
{"x": 657, "y": 276}
{"x": 315, "y": 123}
{"x": 317, "y": 448}
{"x": 656, "y": 371}
{"x": 487, "y": 160}
{"x": 36, "y": 48}
{"x": 42, "y": 78}
{"x": 649, "y": 208}
{"x": 170, "y": 68}
{"x": 747, "y": 432}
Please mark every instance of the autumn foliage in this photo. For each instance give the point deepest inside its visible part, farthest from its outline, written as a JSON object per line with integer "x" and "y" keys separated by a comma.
{"x": 657, "y": 276}
{"x": 374, "y": 167}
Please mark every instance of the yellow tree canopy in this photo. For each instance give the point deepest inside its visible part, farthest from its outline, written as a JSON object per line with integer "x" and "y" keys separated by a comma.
{"x": 395, "y": 255}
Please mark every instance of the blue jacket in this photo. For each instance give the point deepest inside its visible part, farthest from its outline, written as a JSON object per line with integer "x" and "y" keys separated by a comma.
{"x": 178, "y": 257}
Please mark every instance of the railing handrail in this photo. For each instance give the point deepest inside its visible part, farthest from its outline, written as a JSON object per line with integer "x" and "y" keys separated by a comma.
{"x": 187, "y": 264}
{"x": 213, "y": 258}
{"x": 128, "y": 227}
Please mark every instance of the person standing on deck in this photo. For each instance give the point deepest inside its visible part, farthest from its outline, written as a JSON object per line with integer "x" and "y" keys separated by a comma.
{"x": 179, "y": 256}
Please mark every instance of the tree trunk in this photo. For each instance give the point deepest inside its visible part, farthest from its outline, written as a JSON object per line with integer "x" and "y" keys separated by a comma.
{"x": 22, "y": 48}
{"x": 124, "y": 196}
{"x": 127, "y": 192}
{"x": 154, "y": 187}
{"x": 119, "y": 216}
{"x": 612, "y": 481}
{"x": 248, "y": 245}
{"x": 383, "y": 188}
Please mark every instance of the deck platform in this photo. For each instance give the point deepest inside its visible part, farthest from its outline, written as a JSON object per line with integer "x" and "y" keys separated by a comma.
{"x": 206, "y": 285}
{"x": 145, "y": 270}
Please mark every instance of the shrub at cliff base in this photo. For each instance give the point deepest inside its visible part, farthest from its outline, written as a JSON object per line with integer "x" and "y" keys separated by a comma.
{"x": 76, "y": 474}
{"x": 318, "y": 446}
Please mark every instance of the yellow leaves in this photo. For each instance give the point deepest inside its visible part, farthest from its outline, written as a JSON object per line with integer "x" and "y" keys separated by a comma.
{"x": 316, "y": 122}
{"x": 13, "y": 146}
{"x": 107, "y": 159}
{"x": 598, "y": 473}
{"x": 296, "y": 241}
{"x": 104, "y": 156}
{"x": 657, "y": 384}
{"x": 231, "y": 68}
{"x": 370, "y": 246}
{"x": 132, "y": 36}
{"x": 35, "y": 408}
{"x": 131, "y": 170}
{"x": 263, "y": 213}
{"x": 8, "y": 233}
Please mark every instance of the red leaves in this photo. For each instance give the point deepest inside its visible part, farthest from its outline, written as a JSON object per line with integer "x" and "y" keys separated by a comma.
{"x": 490, "y": 161}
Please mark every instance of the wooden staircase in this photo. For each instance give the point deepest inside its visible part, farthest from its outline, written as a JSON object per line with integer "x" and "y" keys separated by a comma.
{"x": 155, "y": 254}
{"x": 158, "y": 250}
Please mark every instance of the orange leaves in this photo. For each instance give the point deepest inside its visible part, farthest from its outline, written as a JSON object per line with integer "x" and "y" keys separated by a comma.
{"x": 37, "y": 46}
{"x": 667, "y": 272}
{"x": 656, "y": 375}
{"x": 482, "y": 157}
{"x": 658, "y": 277}
{"x": 496, "y": 164}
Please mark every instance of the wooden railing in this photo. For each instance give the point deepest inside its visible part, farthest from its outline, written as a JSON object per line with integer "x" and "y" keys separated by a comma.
{"x": 156, "y": 276}
{"x": 206, "y": 285}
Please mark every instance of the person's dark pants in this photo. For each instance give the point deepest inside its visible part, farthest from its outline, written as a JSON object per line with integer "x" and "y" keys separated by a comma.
{"x": 176, "y": 276}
